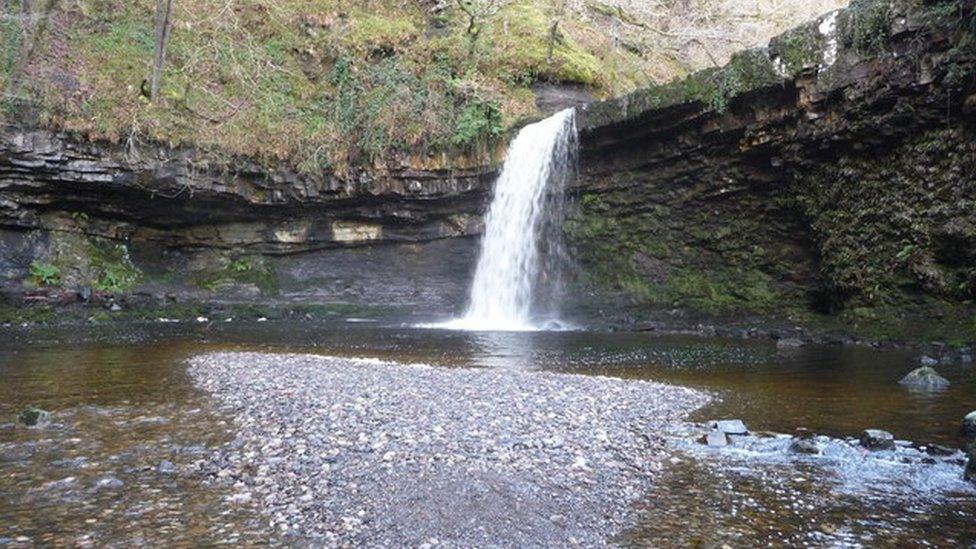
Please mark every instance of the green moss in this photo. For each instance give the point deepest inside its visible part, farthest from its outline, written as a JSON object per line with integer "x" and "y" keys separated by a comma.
{"x": 254, "y": 270}
{"x": 798, "y": 48}
{"x": 374, "y": 31}
{"x": 32, "y": 314}
{"x": 520, "y": 44}
{"x": 933, "y": 320}
{"x": 883, "y": 236}
{"x": 714, "y": 291}
{"x": 748, "y": 70}
{"x": 714, "y": 88}
{"x": 113, "y": 270}
{"x": 609, "y": 244}
{"x": 867, "y": 25}
{"x": 261, "y": 83}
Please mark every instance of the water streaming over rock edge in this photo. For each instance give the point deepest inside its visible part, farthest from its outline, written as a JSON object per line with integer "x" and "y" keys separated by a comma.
{"x": 518, "y": 279}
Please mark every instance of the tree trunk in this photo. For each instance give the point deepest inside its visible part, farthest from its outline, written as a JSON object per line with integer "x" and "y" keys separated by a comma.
{"x": 164, "y": 23}
{"x": 553, "y": 34}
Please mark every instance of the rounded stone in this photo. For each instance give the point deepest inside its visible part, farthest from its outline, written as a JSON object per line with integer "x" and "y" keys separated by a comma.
{"x": 925, "y": 379}
{"x": 804, "y": 446}
{"x": 876, "y": 439}
{"x": 969, "y": 425}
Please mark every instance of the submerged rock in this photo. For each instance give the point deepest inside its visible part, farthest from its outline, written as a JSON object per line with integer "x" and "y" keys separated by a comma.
{"x": 925, "y": 379}
{"x": 926, "y": 360}
{"x": 876, "y": 439}
{"x": 969, "y": 425}
{"x": 789, "y": 343}
{"x": 729, "y": 426}
{"x": 34, "y": 417}
{"x": 939, "y": 450}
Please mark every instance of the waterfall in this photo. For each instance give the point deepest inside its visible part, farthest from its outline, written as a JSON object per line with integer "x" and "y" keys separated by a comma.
{"x": 518, "y": 280}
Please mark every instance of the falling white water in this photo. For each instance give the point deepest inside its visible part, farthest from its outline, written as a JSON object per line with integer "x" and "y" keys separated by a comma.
{"x": 517, "y": 281}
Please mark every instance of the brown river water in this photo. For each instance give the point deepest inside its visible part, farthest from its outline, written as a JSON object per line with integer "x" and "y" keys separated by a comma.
{"x": 125, "y": 410}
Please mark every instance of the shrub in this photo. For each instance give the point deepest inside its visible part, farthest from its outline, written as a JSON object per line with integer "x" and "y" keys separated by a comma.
{"x": 478, "y": 123}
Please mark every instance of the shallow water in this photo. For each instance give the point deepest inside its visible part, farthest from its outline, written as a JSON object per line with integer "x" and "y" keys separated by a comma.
{"x": 123, "y": 404}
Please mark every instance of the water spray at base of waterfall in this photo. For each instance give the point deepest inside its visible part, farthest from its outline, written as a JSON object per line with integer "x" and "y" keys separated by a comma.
{"x": 518, "y": 282}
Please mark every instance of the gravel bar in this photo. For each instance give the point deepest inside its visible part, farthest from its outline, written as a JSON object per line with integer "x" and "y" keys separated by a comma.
{"x": 361, "y": 452}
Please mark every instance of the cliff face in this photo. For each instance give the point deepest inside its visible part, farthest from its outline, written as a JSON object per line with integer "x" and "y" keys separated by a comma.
{"x": 117, "y": 219}
{"x": 179, "y": 199}
{"x": 830, "y": 172}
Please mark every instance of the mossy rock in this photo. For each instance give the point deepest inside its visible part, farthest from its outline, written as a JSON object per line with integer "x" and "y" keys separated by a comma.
{"x": 34, "y": 417}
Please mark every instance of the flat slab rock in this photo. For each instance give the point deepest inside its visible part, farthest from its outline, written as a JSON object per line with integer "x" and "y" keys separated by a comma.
{"x": 353, "y": 452}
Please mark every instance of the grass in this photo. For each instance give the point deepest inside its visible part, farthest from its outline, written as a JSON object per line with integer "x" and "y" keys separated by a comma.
{"x": 321, "y": 85}
{"x": 330, "y": 85}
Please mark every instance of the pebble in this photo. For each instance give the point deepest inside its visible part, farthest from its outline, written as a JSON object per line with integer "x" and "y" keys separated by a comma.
{"x": 317, "y": 437}
{"x": 108, "y": 483}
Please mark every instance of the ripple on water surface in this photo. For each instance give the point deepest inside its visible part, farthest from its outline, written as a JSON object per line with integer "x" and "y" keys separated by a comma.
{"x": 751, "y": 500}
{"x": 116, "y": 464}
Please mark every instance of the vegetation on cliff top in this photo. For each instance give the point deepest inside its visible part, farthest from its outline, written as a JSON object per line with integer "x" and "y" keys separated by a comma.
{"x": 328, "y": 84}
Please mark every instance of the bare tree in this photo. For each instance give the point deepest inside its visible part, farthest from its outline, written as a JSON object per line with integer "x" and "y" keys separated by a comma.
{"x": 164, "y": 24}
{"x": 477, "y": 13}
{"x": 558, "y": 15}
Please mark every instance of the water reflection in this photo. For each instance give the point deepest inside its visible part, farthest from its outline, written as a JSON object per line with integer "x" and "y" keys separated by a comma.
{"x": 833, "y": 390}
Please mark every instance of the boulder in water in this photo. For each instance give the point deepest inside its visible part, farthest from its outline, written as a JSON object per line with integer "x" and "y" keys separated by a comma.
{"x": 34, "y": 417}
{"x": 969, "y": 425}
{"x": 729, "y": 426}
{"x": 715, "y": 439}
{"x": 876, "y": 439}
{"x": 926, "y": 360}
{"x": 804, "y": 446}
{"x": 925, "y": 379}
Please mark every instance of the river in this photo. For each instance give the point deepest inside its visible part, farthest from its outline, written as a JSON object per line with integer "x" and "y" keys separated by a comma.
{"x": 124, "y": 405}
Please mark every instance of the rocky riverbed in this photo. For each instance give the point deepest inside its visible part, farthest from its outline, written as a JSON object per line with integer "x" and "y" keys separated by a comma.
{"x": 359, "y": 452}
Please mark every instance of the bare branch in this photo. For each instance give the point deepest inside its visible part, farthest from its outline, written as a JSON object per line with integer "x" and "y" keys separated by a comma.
{"x": 164, "y": 24}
